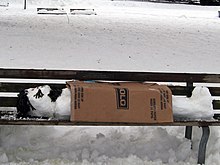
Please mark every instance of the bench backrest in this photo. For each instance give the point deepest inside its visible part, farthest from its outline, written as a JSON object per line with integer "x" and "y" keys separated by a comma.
{"x": 13, "y": 81}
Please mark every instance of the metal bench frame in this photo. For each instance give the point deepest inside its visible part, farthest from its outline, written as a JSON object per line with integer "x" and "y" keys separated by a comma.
{"x": 188, "y": 78}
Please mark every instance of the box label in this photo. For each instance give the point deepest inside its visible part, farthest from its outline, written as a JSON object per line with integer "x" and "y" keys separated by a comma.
{"x": 153, "y": 108}
{"x": 164, "y": 99}
{"x": 122, "y": 98}
{"x": 78, "y": 96}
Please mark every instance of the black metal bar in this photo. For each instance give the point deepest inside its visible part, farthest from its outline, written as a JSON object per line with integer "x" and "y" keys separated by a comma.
{"x": 25, "y": 4}
{"x": 188, "y": 130}
{"x": 189, "y": 86}
{"x": 72, "y": 123}
{"x": 108, "y": 75}
{"x": 8, "y": 101}
{"x": 203, "y": 144}
{"x": 17, "y": 87}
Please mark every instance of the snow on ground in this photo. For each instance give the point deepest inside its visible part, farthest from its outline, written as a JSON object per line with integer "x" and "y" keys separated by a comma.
{"x": 103, "y": 145}
{"x": 124, "y": 35}
{"x": 153, "y": 37}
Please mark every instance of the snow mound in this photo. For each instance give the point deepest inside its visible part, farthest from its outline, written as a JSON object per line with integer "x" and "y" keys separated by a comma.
{"x": 28, "y": 145}
{"x": 198, "y": 106}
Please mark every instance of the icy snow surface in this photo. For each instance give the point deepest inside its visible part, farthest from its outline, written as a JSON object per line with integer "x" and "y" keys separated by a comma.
{"x": 124, "y": 35}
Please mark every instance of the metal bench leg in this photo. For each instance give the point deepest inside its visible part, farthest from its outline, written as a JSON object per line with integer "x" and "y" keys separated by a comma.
{"x": 202, "y": 144}
{"x": 188, "y": 132}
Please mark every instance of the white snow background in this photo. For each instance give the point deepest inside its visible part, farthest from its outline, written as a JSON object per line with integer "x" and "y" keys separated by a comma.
{"x": 124, "y": 35}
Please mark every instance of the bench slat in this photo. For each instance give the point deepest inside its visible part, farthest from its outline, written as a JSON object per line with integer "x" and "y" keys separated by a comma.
{"x": 17, "y": 87}
{"x": 216, "y": 104}
{"x": 12, "y": 101}
{"x": 181, "y": 90}
{"x": 8, "y": 101}
{"x": 109, "y": 75}
{"x": 68, "y": 123}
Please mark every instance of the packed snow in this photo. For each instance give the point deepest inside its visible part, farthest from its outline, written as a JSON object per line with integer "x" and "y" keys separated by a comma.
{"x": 124, "y": 35}
{"x": 198, "y": 106}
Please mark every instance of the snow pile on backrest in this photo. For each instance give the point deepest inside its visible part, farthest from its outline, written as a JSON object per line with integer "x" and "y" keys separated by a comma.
{"x": 198, "y": 106}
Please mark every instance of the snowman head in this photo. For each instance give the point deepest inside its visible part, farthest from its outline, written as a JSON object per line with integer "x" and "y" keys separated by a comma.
{"x": 37, "y": 102}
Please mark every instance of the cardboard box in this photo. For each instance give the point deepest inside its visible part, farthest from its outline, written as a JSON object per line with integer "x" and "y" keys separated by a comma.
{"x": 120, "y": 102}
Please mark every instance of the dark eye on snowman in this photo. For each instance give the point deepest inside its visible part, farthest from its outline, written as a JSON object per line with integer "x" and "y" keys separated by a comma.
{"x": 39, "y": 94}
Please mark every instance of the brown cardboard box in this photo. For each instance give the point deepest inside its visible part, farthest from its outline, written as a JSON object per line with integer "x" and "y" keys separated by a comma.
{"x": 120, "y": 102}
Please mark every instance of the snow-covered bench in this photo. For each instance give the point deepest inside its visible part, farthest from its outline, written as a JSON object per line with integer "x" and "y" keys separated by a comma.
{"x": 14, "y": 80}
